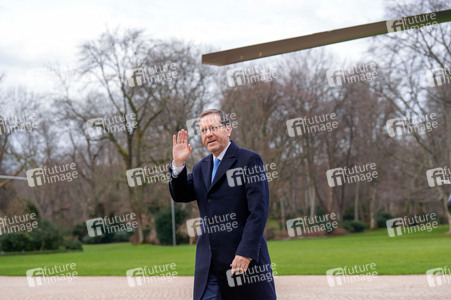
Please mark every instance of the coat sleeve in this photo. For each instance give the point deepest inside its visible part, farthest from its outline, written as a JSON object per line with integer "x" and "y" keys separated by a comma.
{"x": 182, "y": 186}
{"x": 257, "y": 197}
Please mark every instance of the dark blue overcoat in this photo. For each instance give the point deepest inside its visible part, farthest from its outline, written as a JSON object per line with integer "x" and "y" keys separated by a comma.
{"x": 231, "y": 197}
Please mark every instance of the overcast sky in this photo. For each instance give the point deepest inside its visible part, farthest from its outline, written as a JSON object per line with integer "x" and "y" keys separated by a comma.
{"x": 34, "y": 34}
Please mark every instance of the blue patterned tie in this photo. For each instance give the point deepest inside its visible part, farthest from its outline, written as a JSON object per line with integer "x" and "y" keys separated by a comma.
{"x": 215, "y": 168}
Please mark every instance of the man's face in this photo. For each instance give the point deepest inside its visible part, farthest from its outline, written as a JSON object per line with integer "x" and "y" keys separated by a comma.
{"x": 216, "y": 138}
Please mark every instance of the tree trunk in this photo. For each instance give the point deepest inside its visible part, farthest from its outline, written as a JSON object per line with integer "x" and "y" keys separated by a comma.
{"x": 356, "y": 202}
{"x": 282, "y": 213}
{"x": 373, "y": 222}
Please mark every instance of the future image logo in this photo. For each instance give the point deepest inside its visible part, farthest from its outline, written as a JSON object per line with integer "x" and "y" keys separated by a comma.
{"x": 35, "y": 177}
{"x": 135, "y": 177}
{"x": 354, "y": 74}
{"x": 404, "y": 125}
{"x": 145, "y": 175}
{"x": 345, "y": 275}
{"x": 406, "y": 225}
{"x": 249, "y": 75}
{"x": 235, "y": 177}
{"x": 308, "y": 125}
{"x": 438, "y": 76}
{"x": 411, "y": 22}
{"x": 193, "y": 127}
{"x": 356, "y": 173}
{"x": 46, "y": 175}
{"x": 254, "y": 274}
{"x": 323, "y": 223}
{"x": 194, "y": 227}
{"x": 17, "y": 123}
{"x": 211, "y": 225}
{"x": 144, "y": 275}
{"x": 101, "y": 226}
{"x": 135, "y": 277}
{"x": 247, "y": 175}
{"x": 18, "y": 223}
{"x": 438, "y": 277}
{"x": 34, "y": 277}
{"x": 50, "y": 275}
{"x": 153, "y": 74}
{"x": 97, "y": 127}
{"x": 438, "y": 176}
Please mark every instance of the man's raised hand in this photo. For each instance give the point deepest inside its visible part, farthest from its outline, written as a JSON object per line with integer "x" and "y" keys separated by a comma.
{"x": 180, "y": 149}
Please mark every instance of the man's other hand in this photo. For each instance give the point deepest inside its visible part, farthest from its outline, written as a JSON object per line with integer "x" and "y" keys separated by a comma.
{"x": 240, "y": 264}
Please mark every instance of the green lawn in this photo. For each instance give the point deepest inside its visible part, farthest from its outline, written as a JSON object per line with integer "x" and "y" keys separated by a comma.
{"x": 406, "y": 254}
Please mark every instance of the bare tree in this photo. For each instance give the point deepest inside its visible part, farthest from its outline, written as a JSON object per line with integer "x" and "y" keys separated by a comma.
{"x": 152, "y": 108}
{"x": 408, "y": 57}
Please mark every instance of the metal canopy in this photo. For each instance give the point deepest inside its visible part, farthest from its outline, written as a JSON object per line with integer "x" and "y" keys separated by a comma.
{"x": 246, "y": 53}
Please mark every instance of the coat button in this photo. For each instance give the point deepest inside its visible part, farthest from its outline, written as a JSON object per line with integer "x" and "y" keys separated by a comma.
{"x": 209, "y": 200}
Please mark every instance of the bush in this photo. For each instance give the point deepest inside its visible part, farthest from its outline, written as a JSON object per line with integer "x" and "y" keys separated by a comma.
{"x": 354, "y": 226}
{"x": 80, "y": 231}
{"x": 381, "y": 220}
{"x": 89, "y": 240}
{"x": 48, "y": 236}
{"x": 69, "y": 244}
{"x": 122, "y": 236}
{"x": 100, "y": 239}
{"x": 163, "y": 224}
{"x": 15, "y": 242}
{"x": 348, "y": 214}
{"x": 32, "y": 208}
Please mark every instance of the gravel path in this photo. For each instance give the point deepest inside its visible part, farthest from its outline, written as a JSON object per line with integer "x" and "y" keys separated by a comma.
{"x": 288, "y": 287}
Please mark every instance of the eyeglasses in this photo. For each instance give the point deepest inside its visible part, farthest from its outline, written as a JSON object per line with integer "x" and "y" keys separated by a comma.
{"x": 212, "y": 129}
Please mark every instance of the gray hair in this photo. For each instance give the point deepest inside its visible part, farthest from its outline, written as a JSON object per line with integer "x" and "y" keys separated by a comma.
{"x": 222, "y": 115}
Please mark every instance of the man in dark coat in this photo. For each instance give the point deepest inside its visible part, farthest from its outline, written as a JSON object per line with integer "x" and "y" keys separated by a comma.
{"x": 231, "y": 190}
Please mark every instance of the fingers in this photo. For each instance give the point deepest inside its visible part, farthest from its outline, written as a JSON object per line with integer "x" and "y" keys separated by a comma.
{"x": 239, "y": 265}
{"x": 234, "y": 267}
{"x": 182, "y": 137}
{"x": 238, "y": 271}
